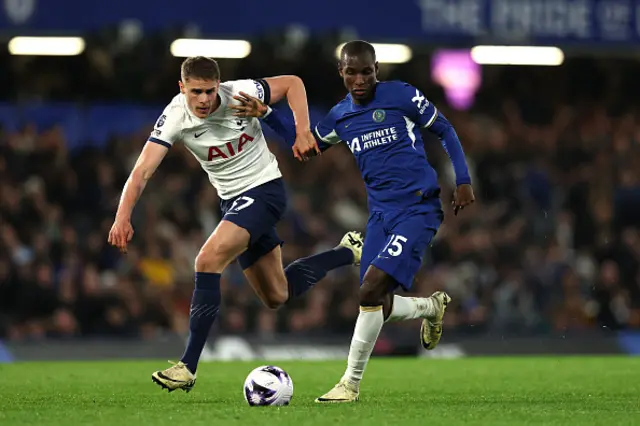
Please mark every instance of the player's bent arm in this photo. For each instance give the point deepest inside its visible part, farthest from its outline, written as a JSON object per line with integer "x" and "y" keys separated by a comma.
{"x": 150, "y": 158}
{"x": 325, "y": 131}
{"x": 291, "y": 87}
{"x": 452, "y": 146}
{"x": 323, "y": 143}
{"x": 283, "y": 126}
{"x": 426, "y": 115}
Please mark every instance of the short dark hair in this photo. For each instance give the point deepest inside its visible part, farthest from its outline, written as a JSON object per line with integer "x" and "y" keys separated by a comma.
{"x": 200, "y": 68}
{"x": 357, "y": 48}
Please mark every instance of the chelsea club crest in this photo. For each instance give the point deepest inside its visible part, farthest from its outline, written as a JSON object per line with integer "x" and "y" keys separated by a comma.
{"x": 379, "y": 115}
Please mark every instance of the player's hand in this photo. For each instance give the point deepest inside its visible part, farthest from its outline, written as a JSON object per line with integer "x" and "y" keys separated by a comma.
{"x": 462, "y": 197}
{"x": 305, "y": 145}
{"x": 120, "y": 234}
{"x": 249, "y": 106}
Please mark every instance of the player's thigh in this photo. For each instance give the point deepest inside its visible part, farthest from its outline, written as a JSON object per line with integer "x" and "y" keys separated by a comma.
{"x": 262, "y": 266}
{"x": 226, "y": 242}
{"x": 408, "y": 239}
{"x": 257, "y": 211}
{"x": 374, "y": 240}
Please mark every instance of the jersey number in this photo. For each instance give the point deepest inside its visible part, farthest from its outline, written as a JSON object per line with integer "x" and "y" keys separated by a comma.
{"x": 241, "y": 203}
{"x": 395, "y": 245}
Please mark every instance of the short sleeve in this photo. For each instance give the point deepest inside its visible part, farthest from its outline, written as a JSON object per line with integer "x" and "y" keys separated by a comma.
{"x": 259, "y": 89}
{"x": 417, "y": 106}
{"x": 326, "y": 130}
{"x": 168, "y": 127}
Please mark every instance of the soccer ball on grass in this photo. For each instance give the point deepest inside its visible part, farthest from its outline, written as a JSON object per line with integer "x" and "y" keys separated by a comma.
{"x": 268, "y": 385}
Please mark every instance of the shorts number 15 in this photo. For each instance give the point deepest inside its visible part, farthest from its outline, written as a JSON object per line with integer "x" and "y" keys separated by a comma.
{"x": 395, "y": 244}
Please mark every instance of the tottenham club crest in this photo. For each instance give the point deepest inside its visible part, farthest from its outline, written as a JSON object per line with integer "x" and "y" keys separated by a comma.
{"x": 160, "y": 122}
{"x": 379, "y": 115}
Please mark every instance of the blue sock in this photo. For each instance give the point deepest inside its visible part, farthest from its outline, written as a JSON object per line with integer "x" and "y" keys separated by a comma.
{"x": 205, "y": 304}
{"x": 304, "y": 273}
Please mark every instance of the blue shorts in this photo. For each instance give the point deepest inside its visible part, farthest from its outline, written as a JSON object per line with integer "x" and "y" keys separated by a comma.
{"x": 257, "y": 210}
{"x": 395, "y": 241}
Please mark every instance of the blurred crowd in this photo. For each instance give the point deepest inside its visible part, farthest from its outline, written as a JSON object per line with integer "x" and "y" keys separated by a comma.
{"x": 552, "y": 243}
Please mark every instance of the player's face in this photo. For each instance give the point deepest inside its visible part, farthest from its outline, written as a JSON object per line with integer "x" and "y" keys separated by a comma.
{"x": 360, "y": 74}
{"x": 202, "y": 95}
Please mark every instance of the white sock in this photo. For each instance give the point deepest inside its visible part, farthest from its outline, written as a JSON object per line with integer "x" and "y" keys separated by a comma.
{"x": 408, "y": 308}
{"x": 368, "y": 326}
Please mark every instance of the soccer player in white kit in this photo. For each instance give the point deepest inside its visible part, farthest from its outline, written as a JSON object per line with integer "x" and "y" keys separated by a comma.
{"x": 235, "y": 155}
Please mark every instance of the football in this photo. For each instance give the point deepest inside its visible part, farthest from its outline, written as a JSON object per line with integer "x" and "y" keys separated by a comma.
{"x": 268, "y": 385}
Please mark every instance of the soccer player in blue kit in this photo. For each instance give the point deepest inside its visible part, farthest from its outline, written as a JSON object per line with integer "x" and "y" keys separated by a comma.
{"x": 379, "y": 122}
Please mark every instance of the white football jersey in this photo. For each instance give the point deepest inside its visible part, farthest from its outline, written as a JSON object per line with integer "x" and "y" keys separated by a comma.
{"x": 232, "y": 151}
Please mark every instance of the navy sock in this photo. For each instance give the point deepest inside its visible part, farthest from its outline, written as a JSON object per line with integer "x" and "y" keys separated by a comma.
{"x": 205, "y": 304}
{"x": 304, "y": 273}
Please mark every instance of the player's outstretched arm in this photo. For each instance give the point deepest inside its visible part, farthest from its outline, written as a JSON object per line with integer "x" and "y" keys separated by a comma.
{"x": 280, "y": 122}
{"x": 284, "y": 126}
{"x": 150, "y": 158}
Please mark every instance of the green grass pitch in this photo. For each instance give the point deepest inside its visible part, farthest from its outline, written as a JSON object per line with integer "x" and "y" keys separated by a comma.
{"x": 427, "y": 392}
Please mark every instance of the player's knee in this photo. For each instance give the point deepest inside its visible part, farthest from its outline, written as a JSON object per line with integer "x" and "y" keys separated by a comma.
{"x": 204, "y": 262}
{"x": 275, "y": 299}
{"x": 212, "y": 259}
{"x": 371, "y": 294}
{"x": 374, "y": 287}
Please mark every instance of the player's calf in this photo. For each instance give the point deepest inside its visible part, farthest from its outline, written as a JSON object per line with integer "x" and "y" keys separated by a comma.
{"x": 226, "y": 243}
{"x": 276, "y": 286}
{"x": 374, "y": 295}
{"x": 267, "y": 279}
{"x": 304, "y": 273}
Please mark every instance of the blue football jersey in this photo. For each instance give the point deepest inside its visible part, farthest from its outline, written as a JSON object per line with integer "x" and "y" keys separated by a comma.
{"x": 384, "y": 137}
